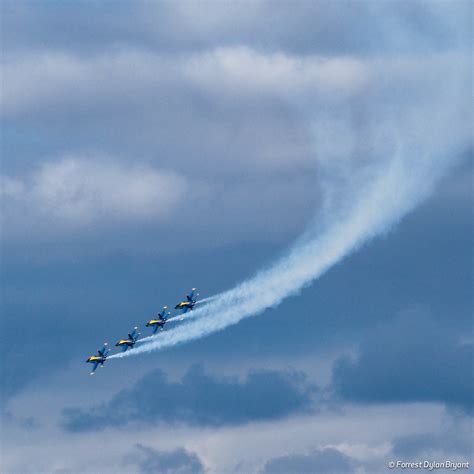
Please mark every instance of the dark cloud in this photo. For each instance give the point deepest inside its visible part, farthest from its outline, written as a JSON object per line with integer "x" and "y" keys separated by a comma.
{"x": 412, "y": 358}
{"x": 199, "y": 399}
{"x": 328, "y": 461}
{"x": 152, "y": 461}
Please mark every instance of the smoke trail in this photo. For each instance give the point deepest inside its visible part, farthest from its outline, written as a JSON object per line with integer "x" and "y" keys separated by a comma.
{"x": 205, "y": 300}
{"x": 367, "y": 203}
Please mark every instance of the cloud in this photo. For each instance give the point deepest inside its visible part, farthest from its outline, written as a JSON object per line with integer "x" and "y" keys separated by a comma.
{"x": 356, "y": 78}
{"x": 79, "y": 191}
{"x": 52, "y": 84}
{"x": 178, "y": 461}
{"x": 327, "y": 460}
{"x": 17, "y": 369}
{"x": 227, "y": 129}
{"x": 411, "y": 358}
{"x": 329, "y": 27}
{"x": 112, "y": 202}
{"x": 199, "y": 399}
{"x": 248, "y": 126}
{"x": 451, "y": 443}
{"x": 453, "y": 440}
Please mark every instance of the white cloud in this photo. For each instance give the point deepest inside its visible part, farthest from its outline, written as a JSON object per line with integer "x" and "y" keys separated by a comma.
{"x": 47, "y": 80}
{"x": 225, "y": 104}
{"x": 78, "y": 191}
{"x": 41, "y": 82}
{"x": 248, "y": 72}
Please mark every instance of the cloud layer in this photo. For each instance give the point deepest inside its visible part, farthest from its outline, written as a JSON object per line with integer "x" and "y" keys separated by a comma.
{"x": 329, "y": 460}
{"x": 199, "y": 399}
{"x": 412, "y": 358}
{"x": 224, "y": 126}
{"x": 151, "y": 461}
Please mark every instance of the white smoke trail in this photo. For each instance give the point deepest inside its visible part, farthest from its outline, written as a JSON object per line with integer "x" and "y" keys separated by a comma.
{"x": 206, "y": 300}
{"x": 368, "y": 204}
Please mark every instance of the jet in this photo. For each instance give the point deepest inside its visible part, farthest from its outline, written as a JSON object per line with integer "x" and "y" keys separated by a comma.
{"x": 188, "y": 305}
{"x": 130, "y": 342}
{"x": 160, "y": 321}
{"x": 100, "y": 358}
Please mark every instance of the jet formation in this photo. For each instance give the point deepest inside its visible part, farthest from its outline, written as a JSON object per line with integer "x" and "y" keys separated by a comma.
{"x": 158, "y": 323}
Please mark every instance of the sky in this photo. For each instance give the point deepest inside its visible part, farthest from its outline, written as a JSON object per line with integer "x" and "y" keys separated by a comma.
{"x": 308, "y": 162}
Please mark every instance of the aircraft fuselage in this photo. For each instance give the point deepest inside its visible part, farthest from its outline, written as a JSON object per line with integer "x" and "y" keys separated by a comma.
{"x": 156, "y": 322}
{"x": 184, "y": 305}
{"x": 125, "y": 342}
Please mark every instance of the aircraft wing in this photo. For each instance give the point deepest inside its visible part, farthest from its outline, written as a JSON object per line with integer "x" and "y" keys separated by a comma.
{"x": 104, "y": 351}
{"x": 94, "y": 368}
{"x": 183, "y": 309}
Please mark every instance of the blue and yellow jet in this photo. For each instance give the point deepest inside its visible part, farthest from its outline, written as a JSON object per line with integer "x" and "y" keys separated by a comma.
{"x": 99, "y": 359}
{"x": 190, "y": 302}
{"x": 130, "y": 341}
{"x": 160, "y": 321}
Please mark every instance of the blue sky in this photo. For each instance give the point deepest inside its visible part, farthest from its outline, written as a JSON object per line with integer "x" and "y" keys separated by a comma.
{"x": 148, "y": 148}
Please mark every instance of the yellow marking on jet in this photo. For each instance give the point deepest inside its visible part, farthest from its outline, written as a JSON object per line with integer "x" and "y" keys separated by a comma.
{"x": 122, "y": 342}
